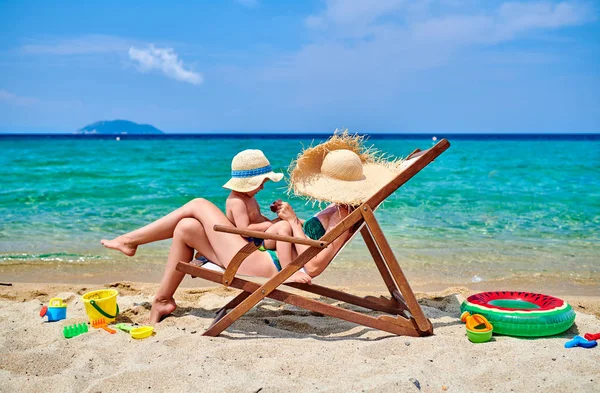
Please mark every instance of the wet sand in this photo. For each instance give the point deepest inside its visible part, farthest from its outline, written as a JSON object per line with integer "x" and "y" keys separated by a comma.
{"x": 359, "y": 278}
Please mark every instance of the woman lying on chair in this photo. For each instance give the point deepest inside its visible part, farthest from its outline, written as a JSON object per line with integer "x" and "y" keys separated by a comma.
{"x": 338, "y": 171}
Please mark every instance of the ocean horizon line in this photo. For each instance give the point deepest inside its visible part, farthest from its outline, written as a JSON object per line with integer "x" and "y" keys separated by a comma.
{"x": 294, "y": 135}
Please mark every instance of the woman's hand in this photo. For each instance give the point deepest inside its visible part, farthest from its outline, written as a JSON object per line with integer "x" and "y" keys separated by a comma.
{"x": 285, "y": 212}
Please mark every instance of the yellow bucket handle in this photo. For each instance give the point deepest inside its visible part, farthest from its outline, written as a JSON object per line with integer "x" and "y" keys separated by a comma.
{"x": 101, "y": 311}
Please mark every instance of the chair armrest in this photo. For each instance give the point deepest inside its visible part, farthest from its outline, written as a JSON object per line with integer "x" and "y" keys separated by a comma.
{"x": 272, "y": 236}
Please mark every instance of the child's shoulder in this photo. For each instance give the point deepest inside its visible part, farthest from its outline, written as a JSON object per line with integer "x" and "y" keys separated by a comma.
{"x": 236, "y": 200}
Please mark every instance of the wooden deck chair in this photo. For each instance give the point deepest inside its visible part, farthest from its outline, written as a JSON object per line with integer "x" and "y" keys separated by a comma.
{"x": 402, "y": 314}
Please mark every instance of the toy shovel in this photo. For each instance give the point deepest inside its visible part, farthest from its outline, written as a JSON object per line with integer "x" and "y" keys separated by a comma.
{"x": 124, "y": 327}
{"x": 138, "y": 332}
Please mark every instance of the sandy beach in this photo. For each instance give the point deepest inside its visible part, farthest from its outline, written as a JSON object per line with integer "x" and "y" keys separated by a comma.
{"x": 276, "y": 348}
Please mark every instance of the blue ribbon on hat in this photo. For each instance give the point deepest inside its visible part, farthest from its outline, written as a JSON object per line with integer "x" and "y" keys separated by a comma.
{"x": 251, "y": 172}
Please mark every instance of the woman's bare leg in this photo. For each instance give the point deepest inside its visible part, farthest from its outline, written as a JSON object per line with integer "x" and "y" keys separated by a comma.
{"x": 220, "y": 247}
{"x": 285, "y": 250}
{"x": 196, "y": 238}
{"x": 160, "y": 229}
{"x": 163, "y": 303}
{"x": 280, "y": 228}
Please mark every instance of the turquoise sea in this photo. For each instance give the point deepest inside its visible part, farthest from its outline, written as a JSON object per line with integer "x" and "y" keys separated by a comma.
{"x": 488, "y": 210}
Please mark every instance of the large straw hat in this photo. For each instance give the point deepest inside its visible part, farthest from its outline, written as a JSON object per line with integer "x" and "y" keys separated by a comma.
{"x": 249, "y": 168}
{"x": 341, "y": 170}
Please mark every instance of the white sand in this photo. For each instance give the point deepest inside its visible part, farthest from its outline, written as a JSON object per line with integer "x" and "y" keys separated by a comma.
{"x": 276, "y": 348}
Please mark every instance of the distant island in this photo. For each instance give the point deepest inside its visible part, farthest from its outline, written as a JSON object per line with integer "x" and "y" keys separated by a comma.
{"x": 118, "y": 127}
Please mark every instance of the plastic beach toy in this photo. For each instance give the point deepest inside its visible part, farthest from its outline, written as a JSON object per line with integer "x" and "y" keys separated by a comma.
{"x": 590, "y": 336}
{"x": 56, "y": 310}
{"x": 579, "y": 341}
{"x": 479, "y": 330}
{"x": 101, "y": 324}
{"x": 101, "y": 304}
{"x": 138, "y": 332}
{"x": 75, "y": 330}
{"x": 141, "y": 332}
{"x": 124, "y": 327}
{"x": 522, "y": 313}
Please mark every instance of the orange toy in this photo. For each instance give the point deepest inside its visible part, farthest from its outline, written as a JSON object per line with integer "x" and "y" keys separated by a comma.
{"x": 479, "y": 329}
{"x": 101, "y": 323}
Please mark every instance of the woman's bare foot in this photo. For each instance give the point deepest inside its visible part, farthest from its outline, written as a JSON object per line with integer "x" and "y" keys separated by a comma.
{"x": 300, "y": 277}
{"x": 121, "y": 243}
{"x": 161, "y": 308}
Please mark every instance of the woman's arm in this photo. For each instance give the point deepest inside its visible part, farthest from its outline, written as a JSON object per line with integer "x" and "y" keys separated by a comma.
{"x": 319, "y": 263}
{"x": 316, "y": 265}
{"x": 298, "y": 231}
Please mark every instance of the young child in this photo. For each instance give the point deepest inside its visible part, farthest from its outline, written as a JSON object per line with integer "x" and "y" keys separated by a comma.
{"x": 250, "y": 170}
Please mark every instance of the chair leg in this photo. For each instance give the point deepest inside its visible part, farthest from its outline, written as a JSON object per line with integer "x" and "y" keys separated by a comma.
{"x": 236, "y": 300}
{"x": 380, "y": 263}
{"x": 232, "y": 304}
{"x": 220, "y": 314}
{"x": 394, "y": 268}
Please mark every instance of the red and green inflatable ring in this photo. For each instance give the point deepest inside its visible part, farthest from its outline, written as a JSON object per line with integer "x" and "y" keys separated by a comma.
{"x": 521, "y": 313}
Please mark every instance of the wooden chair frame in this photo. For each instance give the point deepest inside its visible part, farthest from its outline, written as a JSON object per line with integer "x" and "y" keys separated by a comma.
{"x": 404, "y": 315}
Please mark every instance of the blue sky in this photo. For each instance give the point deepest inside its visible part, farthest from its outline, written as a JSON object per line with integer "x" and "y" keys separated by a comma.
{"x": 289, "y": 66}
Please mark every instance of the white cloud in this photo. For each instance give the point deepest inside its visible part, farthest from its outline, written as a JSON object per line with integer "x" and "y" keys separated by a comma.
{"x": 513, "y": 18}
{"x": 363, "y": 35}
{"x": 437, "y": 18}
{"x": 165, "y": 60}
{"x": 11, "y": 98}
{"x": 88, "y": 44}
{"x": 379, "y": 50}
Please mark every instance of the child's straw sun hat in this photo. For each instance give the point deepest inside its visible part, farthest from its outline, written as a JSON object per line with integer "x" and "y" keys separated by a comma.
{"x": 341, "y": 170}
{"x": 249, "y": 168}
